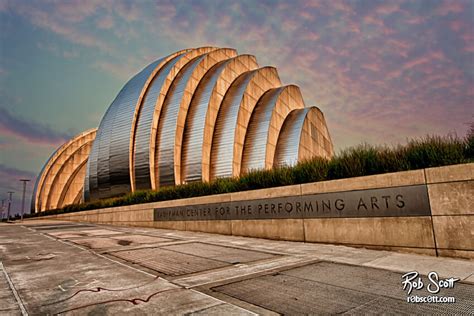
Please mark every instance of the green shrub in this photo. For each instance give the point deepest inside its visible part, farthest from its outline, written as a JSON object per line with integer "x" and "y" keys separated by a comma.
{"x": 431, "y": 151}
{"x": 435, "y": 151}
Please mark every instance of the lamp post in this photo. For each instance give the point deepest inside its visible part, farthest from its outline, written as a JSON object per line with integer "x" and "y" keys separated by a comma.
{"x": 23, "y": 199}
{"x": 9, "y": 204}
{"x": 3, "y": 209}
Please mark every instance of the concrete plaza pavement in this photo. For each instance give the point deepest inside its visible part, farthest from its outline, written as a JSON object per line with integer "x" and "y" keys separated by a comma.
{"x": 52, "y": 267}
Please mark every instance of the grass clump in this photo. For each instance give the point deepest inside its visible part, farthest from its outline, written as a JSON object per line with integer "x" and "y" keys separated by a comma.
{"x": 363, "y": 160}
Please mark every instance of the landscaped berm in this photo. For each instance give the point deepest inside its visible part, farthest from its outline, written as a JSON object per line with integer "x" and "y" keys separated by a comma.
{"x": 195, "y": 115}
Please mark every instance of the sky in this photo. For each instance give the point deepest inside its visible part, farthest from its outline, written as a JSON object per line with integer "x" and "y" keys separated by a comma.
{"x": 382, "y": 72}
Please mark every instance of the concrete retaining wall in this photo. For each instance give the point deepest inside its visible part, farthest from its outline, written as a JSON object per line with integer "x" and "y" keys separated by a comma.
{"x": 448, "y": 231}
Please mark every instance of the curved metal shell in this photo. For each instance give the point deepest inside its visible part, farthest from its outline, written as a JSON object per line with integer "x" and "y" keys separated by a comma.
{"x": 73, "y": 187}
{"x": 289, "y": 140}
{"x": 191, "y": 168}
{"x": 194, "y": 115}
{"x": 58, "y": 176}
{"x": 143, "y": 118}
{"x": 304, "y": 135}
{"x": 108, "y": 169}
{"x": 34, "y": 197}
{"x": 154, "y": 137}
{"x": 265, "y": 124}
{"x": 167, "y": 125}
{"x": 203, "y": 67}
{"x": 201, "y": 120}
{"x": 174, "y": 112}
{"x": 233, "y": 119}
{"x": 64, "y": 177}
{"x": 315, "y": 140}
{"x": 142, "y": 177}
{"x": 142, "y": 171}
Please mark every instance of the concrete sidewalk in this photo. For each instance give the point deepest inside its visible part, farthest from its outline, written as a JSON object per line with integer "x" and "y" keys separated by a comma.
{"x": 51, "y": 267}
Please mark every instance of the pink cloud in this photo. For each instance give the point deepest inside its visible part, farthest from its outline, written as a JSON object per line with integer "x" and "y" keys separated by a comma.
{"x": 469, "y": 48}
{"x": 468, "y": 38}
{"x": 120, "y": 70}
{"x": 311, "y": 36}
{"x": 387, "y": 8}
{"x": 76, "y": 10}
{"x": 127, "y": 10}
{"x": 372, "y": 66}
{"x": 53, "y": 49}
{"x": 45, "y": 21}
{"x": 306, "y": 15}
{"x": 341, "y": 5}
{"x": 402, "y": 47}
{"x": 449, "y": 6}
{"x": 456, "y": 25}
{"x": 106, "y": 22}
{"x": 415, "y": 20}
{"x": 31, "y": 131}
{"x": 370, "y": 19}
{"x": 435, "y": 55}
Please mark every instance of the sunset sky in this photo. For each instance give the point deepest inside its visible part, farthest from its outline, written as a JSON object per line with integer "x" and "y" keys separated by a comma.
{"x": 381, "y": 71}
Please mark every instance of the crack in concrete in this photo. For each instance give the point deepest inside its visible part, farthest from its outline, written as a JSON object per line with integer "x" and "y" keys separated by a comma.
{"x": 134, "y": 301}
{"x": 99, "y": 289}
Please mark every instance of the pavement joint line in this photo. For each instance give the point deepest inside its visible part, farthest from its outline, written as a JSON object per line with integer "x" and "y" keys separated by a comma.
{"x": 110, "y": 251}
{"x": 367, "y": 264}
{"x": 238, "y": 247}
{"x": 340, "y": 286}
{"x": 221, "y": 301}
{"x": 102, "y": 256}
{"x": 125, "y": 265}
{"x": 303, "y": 262}
{"x": 49, "y": 237}
{"x": 360, "y": 306}
{"x": 15, "y": 293}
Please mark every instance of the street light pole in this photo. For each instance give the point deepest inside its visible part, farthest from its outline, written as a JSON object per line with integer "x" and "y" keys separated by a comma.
{"x": 23, "y": 199}
{"x": 9, "y": 204}
{"x": 3, "y": 209}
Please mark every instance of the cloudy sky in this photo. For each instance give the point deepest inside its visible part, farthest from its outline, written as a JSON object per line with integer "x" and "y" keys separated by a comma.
{"x": 381, "y": 71}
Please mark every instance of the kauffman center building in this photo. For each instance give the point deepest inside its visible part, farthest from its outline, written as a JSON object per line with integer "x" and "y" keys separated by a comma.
{"x": 195, "y": 115}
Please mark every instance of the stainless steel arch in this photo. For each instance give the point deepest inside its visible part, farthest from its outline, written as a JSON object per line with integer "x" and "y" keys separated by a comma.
{"x": 54, "y": 169}
{"x": 315, "y": 139}
{"x": 158, "y": 88}
{"x": 73, "y": 187}
{"x": 153, "y": 149}
{"x": 108, "y": 170}
{"x": 202, "y": 114}
{"x": 289, "y": 140}
{"x": 265, "y": 124}
{"x": 204, "y": 65}
{"x": 144, "y": 128}
{"x": 34, "y": 197}
{"x": 233, "y": 119}
{"x": 168, "y": 123}
{"x": 108, "y": 167}
{"x": 191, "y": 169}
{"x": 255, "y": 146}
{"x": 64, "y": 175}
